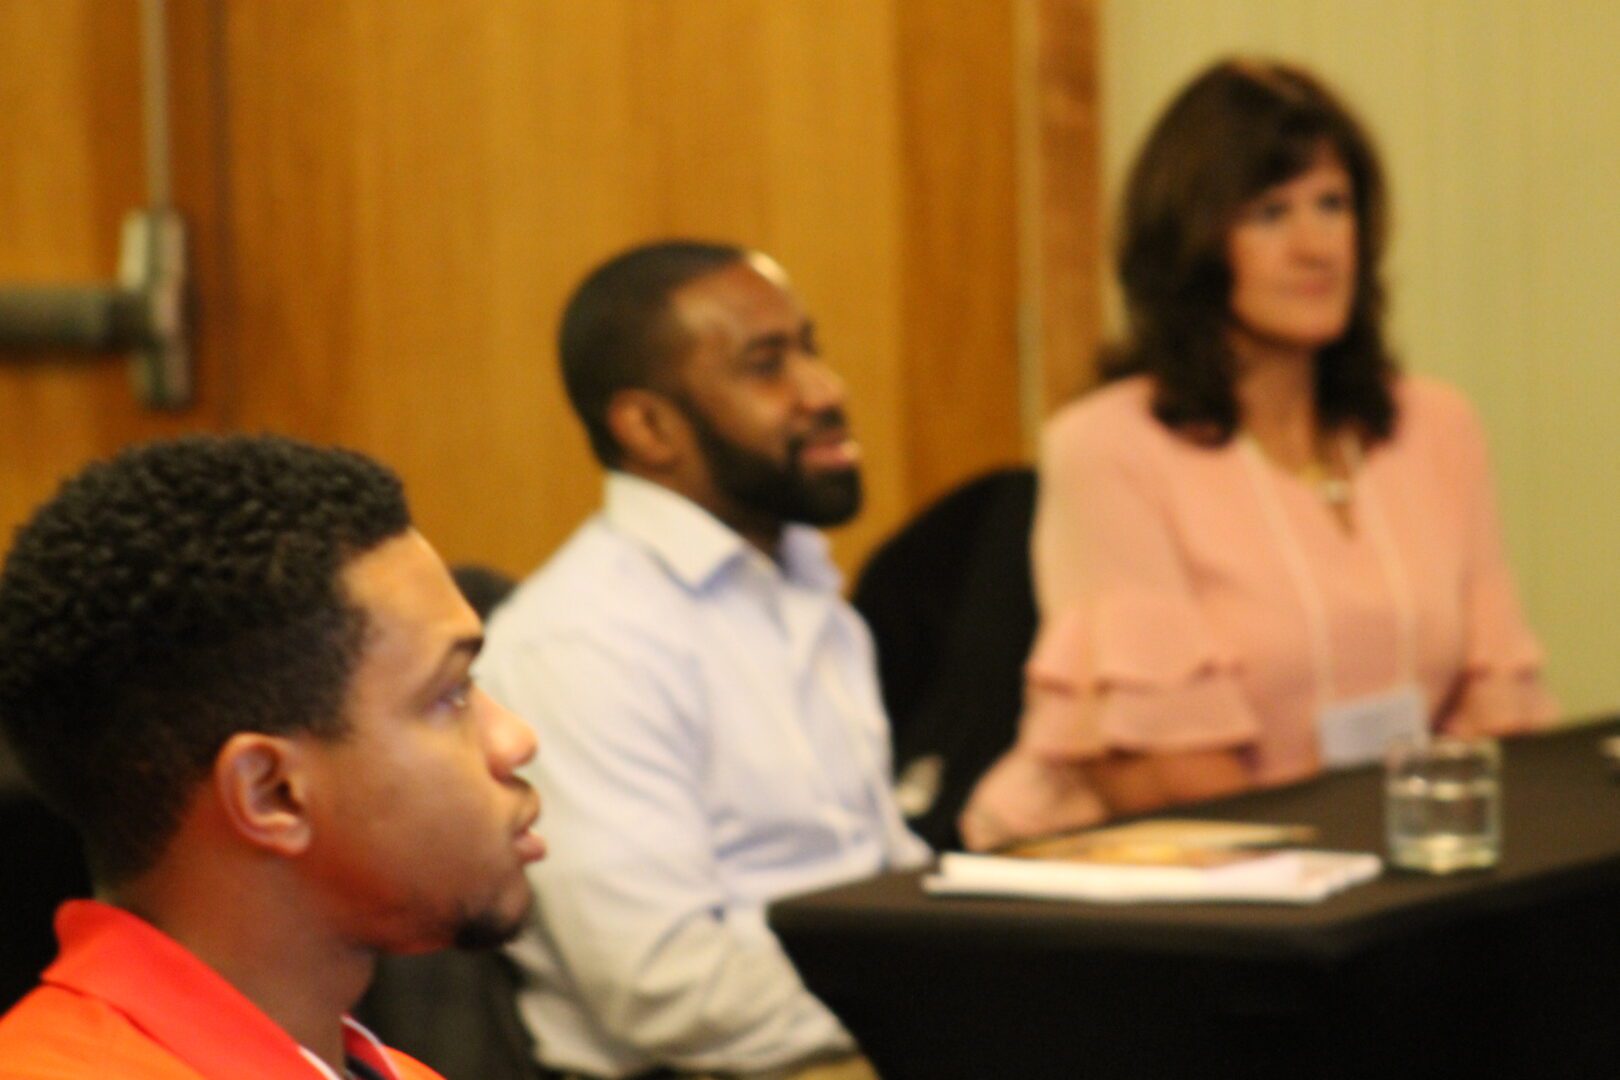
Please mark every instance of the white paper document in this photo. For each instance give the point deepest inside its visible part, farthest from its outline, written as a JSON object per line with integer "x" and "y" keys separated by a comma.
{"x": 1293, "y": 876}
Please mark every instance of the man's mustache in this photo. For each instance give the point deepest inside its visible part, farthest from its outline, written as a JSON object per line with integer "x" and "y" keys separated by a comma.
{"x": 831, "y": 419}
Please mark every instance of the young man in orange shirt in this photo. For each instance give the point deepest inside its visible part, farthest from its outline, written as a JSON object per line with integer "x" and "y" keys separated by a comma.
{"x": 243, "y": 675}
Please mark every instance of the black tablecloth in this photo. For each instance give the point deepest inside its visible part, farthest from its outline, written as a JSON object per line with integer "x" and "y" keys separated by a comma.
{"x": 1513, "y": 971}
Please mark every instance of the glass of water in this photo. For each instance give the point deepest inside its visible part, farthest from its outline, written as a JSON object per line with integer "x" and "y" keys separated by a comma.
{"x": 1443, "y": 804}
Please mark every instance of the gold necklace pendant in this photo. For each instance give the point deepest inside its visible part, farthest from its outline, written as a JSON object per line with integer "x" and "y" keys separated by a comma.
{"x": 1334, "y": 491}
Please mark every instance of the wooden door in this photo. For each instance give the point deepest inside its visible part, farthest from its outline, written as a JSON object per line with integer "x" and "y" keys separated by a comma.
{"x": 389, "y": 203}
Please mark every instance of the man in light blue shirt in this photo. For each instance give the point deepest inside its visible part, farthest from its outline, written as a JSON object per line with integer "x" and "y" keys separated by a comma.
{"x": 711, "y": 729}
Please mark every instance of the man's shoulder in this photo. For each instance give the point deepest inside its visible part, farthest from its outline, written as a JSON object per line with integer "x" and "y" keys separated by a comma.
{"x": 57, "y": 1034}
{"x": 596, "y": 561}
{"x": 599, "y": 582}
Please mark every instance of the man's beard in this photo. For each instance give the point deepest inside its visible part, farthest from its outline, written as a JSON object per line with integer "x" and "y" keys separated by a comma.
{"x": 486, "y": 930}
{"x": 782, "y": 492}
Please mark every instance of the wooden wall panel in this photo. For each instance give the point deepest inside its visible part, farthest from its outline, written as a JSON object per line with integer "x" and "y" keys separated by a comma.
{"x": 958, "y": 110}
{"x": 1063, "y": 204}
{"x": 413, "y": 198}
{"x": 199, "y": 171}
{"x": 71, "y": 144}
{"x": 389, "y": 203}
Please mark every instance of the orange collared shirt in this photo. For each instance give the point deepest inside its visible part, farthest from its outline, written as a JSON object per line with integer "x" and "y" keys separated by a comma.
{"x": 125, "y": 1000}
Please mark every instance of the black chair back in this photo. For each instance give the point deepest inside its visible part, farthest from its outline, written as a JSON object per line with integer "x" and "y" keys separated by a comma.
{"x": 951, "y": 605}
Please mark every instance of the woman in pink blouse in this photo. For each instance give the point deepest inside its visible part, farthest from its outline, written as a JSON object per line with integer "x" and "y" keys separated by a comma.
{"x": 1260, "y": 551}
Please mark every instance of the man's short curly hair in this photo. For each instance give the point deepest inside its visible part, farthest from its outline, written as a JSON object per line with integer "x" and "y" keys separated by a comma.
{"x": 618, "y": 331}
{"x": 169, "y": 598}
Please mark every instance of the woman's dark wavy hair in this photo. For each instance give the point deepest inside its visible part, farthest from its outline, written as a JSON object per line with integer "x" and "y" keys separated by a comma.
{"x": 1237, "y": 129}
{"x": 165, "y": 600}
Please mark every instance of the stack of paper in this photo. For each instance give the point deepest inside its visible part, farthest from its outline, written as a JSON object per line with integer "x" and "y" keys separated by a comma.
{"x": 1189, "y": 861}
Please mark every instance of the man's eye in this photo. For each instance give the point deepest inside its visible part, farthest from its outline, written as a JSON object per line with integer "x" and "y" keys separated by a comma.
{"x": 459, "y": 696}
{"x": 766, "y": 365}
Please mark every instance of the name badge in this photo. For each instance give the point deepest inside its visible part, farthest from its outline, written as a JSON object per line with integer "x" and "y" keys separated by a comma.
{"x": 1357, "y": 732}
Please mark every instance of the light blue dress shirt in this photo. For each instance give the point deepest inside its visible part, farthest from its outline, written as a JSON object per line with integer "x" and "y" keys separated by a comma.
{"x": 711, "y": 738}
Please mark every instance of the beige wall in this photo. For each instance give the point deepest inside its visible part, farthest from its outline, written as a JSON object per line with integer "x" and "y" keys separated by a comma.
{"x": 1500, "y": 125}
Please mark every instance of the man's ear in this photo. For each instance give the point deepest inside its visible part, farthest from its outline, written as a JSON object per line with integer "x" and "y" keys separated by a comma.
{"x": 648, "y": 426}
{"x": 262, "y": 782}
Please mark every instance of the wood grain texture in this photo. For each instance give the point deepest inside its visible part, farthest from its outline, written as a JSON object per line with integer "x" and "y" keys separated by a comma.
{"x": 960, "y": 290}
{"x": 389, "y": 204}
{"x": 413, "y": 198}
{"x": 1067, "y": 203}
{"x": 70, "y": 137}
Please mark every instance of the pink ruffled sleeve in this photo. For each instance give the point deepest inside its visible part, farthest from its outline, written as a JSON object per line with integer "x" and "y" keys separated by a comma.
{"x": 1131, "y": 670}
{"x": 1124, "y": 659}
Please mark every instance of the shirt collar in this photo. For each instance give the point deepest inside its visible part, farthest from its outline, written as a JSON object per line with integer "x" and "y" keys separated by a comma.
{"x": 696, "y": 547}
{"x": 363, "y": 1054}
{"x": 180, "y": 1002}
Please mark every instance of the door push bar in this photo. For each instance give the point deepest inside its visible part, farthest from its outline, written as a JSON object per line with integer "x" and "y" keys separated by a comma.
{"x": 143, "y": 313}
